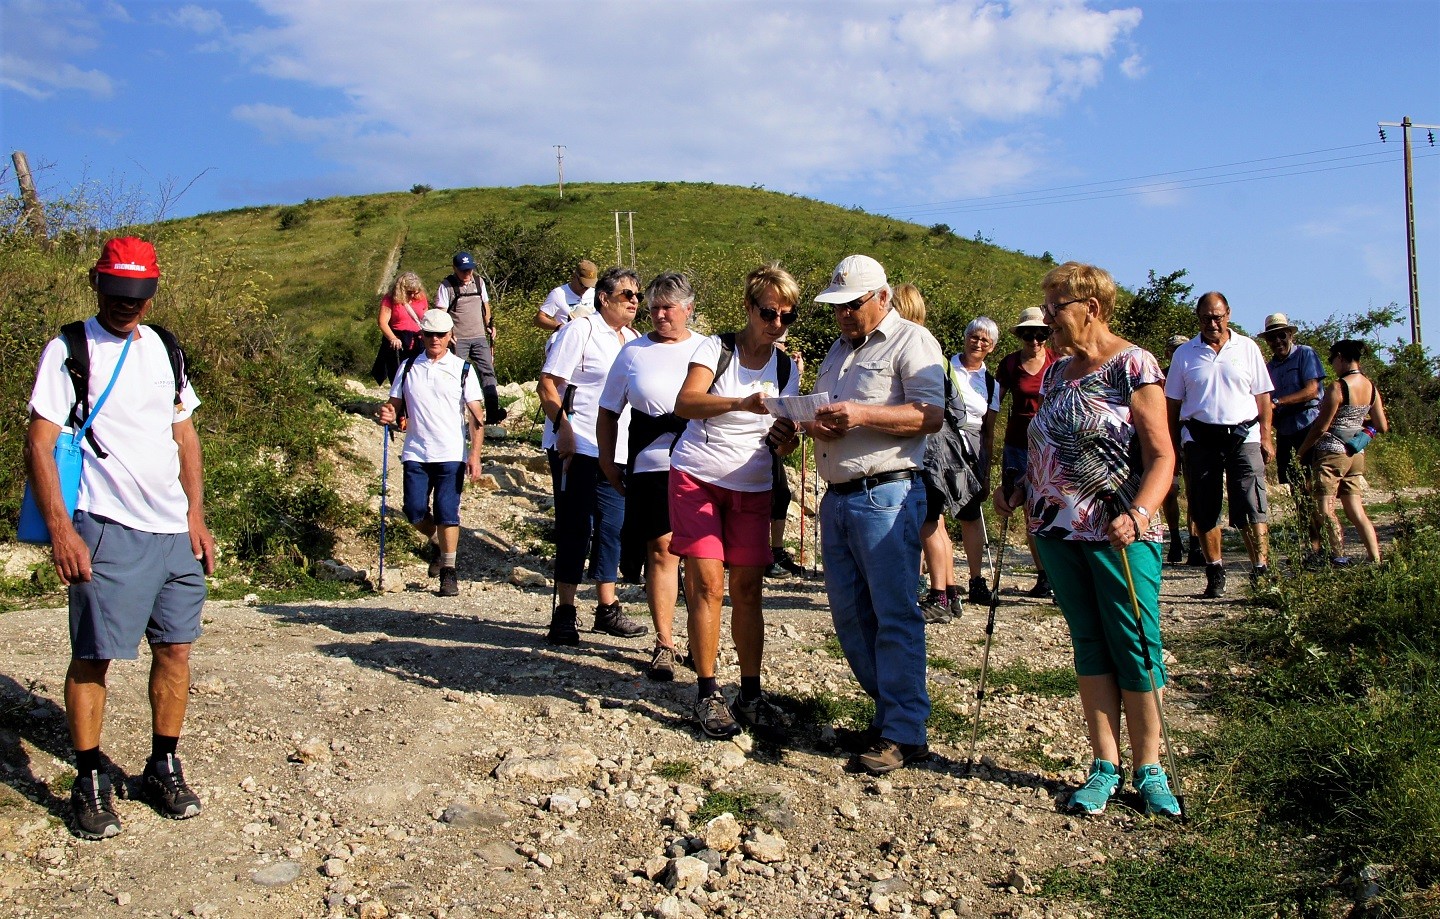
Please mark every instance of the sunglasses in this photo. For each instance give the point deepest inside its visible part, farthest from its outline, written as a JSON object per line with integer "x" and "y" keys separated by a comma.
{"x": 1034, "y": 336}
{"x": 634, "y": 296}
{"x": 785, "y": 316}
{"x": 854, "y": 304}
{"x": 434, "y": 334}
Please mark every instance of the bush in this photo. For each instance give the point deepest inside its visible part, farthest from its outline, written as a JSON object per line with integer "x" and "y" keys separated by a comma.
{"x": 288, "y": 218}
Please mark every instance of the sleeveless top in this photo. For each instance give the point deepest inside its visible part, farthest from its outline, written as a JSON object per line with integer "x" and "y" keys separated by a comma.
{"x": 1349, "y": 419}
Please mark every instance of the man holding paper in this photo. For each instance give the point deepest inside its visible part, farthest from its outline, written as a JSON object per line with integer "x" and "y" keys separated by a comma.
{"x": 886, "y": 379}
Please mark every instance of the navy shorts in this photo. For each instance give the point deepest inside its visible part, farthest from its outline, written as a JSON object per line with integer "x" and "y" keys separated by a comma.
{"x": 141, "y": 584}
{"x": 444, "y": 480}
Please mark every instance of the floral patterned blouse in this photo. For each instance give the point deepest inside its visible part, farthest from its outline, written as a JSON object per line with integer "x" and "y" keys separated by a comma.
{"x": 1082, "y": 443}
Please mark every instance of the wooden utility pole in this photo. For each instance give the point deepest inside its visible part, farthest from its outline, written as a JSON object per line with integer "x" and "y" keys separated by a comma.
{"x": 560, "y": 166}
{"x": 34, "y": 212}
{"x": 1414, "y": 274}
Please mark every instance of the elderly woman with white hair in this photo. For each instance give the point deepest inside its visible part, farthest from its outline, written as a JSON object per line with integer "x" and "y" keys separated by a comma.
{"x": 977, "y": 390}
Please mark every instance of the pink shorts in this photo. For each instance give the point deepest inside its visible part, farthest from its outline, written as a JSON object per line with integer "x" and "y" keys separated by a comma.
{"x": 709, "y": 521}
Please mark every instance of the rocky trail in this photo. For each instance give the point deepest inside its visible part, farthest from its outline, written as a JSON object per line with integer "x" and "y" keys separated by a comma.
{"x": 411, "y": 755}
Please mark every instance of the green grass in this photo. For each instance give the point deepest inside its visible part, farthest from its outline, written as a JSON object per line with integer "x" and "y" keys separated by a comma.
{"x": 1056, "y": 682}
{"x": 62, "y": 783}
{"x": 675, "y": 769}
{"x": 746, "y": 806}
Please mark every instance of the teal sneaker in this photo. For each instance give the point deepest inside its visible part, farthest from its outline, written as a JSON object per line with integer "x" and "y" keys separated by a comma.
{"x": 1091, "y": 798}
{"x": 1154, "y": 788}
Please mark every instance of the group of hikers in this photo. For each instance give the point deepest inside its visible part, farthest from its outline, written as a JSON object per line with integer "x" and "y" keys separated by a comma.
{"x": 666, "y": 448}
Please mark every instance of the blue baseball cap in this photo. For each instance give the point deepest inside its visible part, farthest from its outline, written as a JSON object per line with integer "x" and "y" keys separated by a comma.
{"x": 463, "y": 261}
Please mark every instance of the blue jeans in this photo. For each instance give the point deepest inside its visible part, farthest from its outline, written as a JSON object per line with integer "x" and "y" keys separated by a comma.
{"x": 588, "y": 516}
{"x": 871, "y": 545}
{"x": 441, "y": 481}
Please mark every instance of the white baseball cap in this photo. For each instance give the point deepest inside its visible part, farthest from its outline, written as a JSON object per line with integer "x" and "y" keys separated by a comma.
{"x": 854, "y": 277}
{"x": 437, "y": 322}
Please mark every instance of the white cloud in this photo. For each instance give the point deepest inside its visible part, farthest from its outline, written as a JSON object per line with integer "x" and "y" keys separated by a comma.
{"x": 790, "y": 96}
{"x": 193, "y": 18}
{"x": 53, "y": 33}
{"x": 1134, "y": 66}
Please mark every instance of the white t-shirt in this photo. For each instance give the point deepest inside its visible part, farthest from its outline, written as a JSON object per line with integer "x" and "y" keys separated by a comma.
{"x": 562, "y": 302}
{"x": 729, "y": 450}
{"x": 432, "y": 399}
{"x": 138, "y": 482}
{"x": 647, "y": 377}
{"x": 1218, "y": 387}
{"x": 581, "y": 353}
{"x": 974, "y": 397}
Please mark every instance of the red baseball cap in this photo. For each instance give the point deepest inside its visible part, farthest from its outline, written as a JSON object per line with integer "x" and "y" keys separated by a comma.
{"x": 127, "y": 268}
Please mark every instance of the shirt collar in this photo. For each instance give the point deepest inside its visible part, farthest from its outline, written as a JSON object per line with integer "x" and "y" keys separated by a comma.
{"x": 885, "y": 329}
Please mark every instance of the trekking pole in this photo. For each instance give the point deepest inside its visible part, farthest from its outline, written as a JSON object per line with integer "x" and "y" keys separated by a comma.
{"x": 1112, "y": 500}
{"x": 802, "y": 502}
{"x": 384, "y": 481}
{"x": 815, "y": 521}
{"x": 989, "y": 640}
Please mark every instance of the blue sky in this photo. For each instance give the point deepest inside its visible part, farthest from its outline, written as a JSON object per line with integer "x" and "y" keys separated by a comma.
{"x": 938, "y": 112}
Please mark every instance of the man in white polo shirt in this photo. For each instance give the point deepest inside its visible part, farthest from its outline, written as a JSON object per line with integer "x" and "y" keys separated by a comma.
{"x": 570, "y": 300}
{"x": 1218, "y": 392}
{"x": 442, "y": 396}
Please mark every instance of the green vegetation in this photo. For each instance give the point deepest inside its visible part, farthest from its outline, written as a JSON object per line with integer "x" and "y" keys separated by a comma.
{"x": 746, "y": 806}
{"x": 675, "y": 769}
{"x": 1058, "y": 682}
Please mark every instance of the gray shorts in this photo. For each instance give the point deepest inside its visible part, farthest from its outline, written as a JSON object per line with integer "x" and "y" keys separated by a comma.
{"x": 141, "y": 584}
{"x": 1213, "y": 473}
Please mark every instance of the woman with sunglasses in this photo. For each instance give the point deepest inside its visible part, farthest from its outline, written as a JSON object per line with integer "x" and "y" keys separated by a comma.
{"x": 588, "y": 510}
{"x": 1019, "y": 376}
{"x": 720, "y": 480}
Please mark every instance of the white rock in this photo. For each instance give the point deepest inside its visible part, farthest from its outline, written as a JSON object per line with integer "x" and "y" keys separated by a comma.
{"x": 685, "y": 873}
{"x": 333, "y": 867}
{"x": 524, "y": 577}
{"x": 765, "y": 847}
{"x": 730, "y": 758}
{"x": 722, "y": 833}
{"x": 557, "y": 764}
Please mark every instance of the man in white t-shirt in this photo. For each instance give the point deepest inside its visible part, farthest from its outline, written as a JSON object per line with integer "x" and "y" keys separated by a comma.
{"x": 141, "y": 490}
{"x": 570, "y": 300}
{"x": 1218, "y": 392}
{"x": 442, "y": 398}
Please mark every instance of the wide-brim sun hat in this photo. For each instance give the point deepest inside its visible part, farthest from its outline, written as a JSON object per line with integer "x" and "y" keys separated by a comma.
{"x": 1278, "y": 322}
{"x": 853, "y": 278}
{"x": 1031, "y": 317}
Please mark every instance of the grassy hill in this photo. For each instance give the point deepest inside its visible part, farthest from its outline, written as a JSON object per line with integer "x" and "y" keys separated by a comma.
{"x": 323, "y": 261}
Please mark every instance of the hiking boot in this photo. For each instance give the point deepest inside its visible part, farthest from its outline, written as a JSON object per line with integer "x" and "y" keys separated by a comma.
{"x": 662, "y": 664}
{"x": 1214, "y": 582}
{"x": 1154, "y": 788}
{"x": 449, "y": 583}
{"x": 163, "y": 782}
{"x": 92, "y": 803}
{"x": 979, "y": 593}
{"x": 433, "y": 550}
{"x": 762, "y": 717}
{"x": 1177, "y": 551}
{"x": 562, "y": 626}
{"x": 1090, "y": 799}
{"x": 853, "y": 741}
{"x": 1196, "y": 558}
{"x": 783, "y": 563}
{"x": 1042, "y": 589}
{"x": 935, "y": 609}
{"x": 887, "y": 756}
{"x": 1315, "y": 560}
{"x": 715, "y": 717}
{"x": 610, "y": 620}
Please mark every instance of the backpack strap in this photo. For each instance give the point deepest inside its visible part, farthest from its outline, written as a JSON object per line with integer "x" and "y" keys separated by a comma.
{"x": 1344, "y": 390}
{"x": 177, "y": 359}
{"x": 77, "y": 364}
{"x": 784, "y": 363}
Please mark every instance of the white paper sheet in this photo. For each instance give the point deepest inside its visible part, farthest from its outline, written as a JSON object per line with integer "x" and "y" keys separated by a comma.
{"x": 797, "y": 408}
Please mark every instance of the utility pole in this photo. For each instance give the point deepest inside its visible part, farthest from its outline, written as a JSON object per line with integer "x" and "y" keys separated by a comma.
{"x": 560, "y": 166}
{"x": 1414, "y": 275}
{"x": 630, "y": 216}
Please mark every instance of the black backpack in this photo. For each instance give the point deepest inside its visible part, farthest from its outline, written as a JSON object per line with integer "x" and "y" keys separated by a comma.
{"x": 78, "y": 366}
{"x": 952, "y": 457}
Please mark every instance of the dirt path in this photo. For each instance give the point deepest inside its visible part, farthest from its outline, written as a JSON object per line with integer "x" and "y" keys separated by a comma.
{"x": 408, "y": 755}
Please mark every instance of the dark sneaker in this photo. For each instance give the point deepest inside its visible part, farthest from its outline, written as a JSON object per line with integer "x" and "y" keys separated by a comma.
{"x": 715, "y": 717}
{"x": 935, "y": 609}
{"x": 1090, "y": 799}
{"x": 979, "y": 592}
{"x": 433, "y": 549}
{"x": 886, "y": 756}
{"x": 1340, "y": 561}
{"x": 1315, "y": 560}
{"x": 1154, "y": 788}
{"x": 92, "y": 804}
{"x": 449, "y": 583}
{"x": 610, "y": 620}
{"x": 1196, "y": 558}
{"x": 1042, "y": 589}
{"x": 762, "y": 717}
{"x": 782, "y": 564}
{"x": 1214, "y": 582}
{"x": 1177, "y": 552}
{"x": 662, "y": 664}
{"x": 562, "y": 626}
{"x": 163, "y": 782}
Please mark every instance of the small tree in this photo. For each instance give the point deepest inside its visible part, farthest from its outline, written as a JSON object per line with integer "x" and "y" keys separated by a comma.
{"x": 1160, "y": 309}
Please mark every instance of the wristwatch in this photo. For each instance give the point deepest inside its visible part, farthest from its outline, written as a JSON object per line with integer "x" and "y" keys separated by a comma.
{"x": 1141, "y": 511}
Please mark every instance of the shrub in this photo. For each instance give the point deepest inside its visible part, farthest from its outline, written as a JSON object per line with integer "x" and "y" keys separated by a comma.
{"x": 288, "y": 218}
{"x": 420, "y": 189}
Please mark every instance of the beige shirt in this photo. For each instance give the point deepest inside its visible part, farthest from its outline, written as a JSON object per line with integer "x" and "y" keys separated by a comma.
{"x": 896, "y": 364}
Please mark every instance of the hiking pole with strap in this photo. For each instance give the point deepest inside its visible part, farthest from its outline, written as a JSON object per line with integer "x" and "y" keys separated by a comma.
{"x": 384, "y": 481}
{"x": 802, "y": 503}
{"x": 989, "y": 638}
{"x": 1112, "y": 501}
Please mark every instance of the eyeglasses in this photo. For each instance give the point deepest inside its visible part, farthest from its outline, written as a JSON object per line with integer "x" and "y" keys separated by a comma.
{"x": 785, "y": 316}
{"x": 1216, "y": 319}
{"x": 1034, "y": 336}
{"x": 854, "y": 305}
{"x": 633, "y": 296}
{"x": 1050, "y": 309}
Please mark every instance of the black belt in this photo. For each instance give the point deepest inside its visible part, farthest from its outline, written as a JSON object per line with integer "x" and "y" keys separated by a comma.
{"x": 870, "y": 481}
